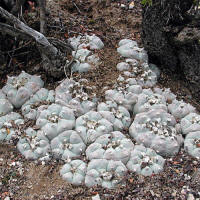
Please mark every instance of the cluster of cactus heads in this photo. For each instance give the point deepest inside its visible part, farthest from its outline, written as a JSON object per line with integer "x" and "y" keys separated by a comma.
{"x": 135, "y": 129}
{"x": 84, "y": 56}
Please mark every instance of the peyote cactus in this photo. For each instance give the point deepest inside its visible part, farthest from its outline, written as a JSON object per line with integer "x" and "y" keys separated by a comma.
{"x": 155, "y": 69}
{"x": 130, "y": 49}
{"x": 113, "y": 146}
{"x": 192, "y": 144}
{"x": 67, "y": 145}
{"x": 70, "y": 93}
{"x": 146, "y": 77}
{"x": 119, "y": 116}
{"x": 5, "y": 105}
{"x": 19, "y": 89}
{"x": 55, "y": 120}
{"x": 85, "y": 59}
{"x": 123, "y": 66}
{"x": 123, "y": 98}
{"x": 180, "y": 109}
{"x": 43, "y": 98}
{"x": 145, "y": 161}
{"x": 95, "y": 42}
{"x": 92, "y": 125}
{"x": 81, "y": 54}
{"x": 86, "y": 41}
{"x": 142, "y": 73}
{"x": 148, "y": 100}
{"x": 74, "y": 172}
{"x": 34, "y": 145}
{"x": 65, "y": 91}
{"x": 169, "y": 96}
{"x": 105, "y": 173}
{"x": 126, "y": 41}
{"x": 9, "y": 125}
{"x": 190, "y": 123}
{"x": 156, "y": 129}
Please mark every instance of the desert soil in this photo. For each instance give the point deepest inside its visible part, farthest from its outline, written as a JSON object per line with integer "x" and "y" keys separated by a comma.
{"x": 22, "y": 179}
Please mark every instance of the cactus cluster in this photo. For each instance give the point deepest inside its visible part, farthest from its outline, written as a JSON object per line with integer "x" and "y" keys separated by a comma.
{"x": 19, "y": 89}
{"x": 141, "y": 72}
{"x": 10, "y": 126}
{"x": 74, "y": 172}
{"x": 5, "y": 105}
{"x": 34, "y": 145}
{"x": 67, "y": 145}
{"x": 129, "y": 49}
{"x": 156, "y": 129}
{"x": 105, "y": 173}
{"x": 84, "y": 55}
{"x": 71, "y": 94}
{"x": 55, "y": 120}
{"x": 38, "y": 102}
{"x": 134, "y": 129}
{"x": 192, "y": 144}
{"x": 180, "y": 109}
{"x": 149, "y": 100}
{"x": 145, "y": 161}
{"x": 112, "y": 146}
{"x": 92, "y": 125}
{"x": 119, "y": 116}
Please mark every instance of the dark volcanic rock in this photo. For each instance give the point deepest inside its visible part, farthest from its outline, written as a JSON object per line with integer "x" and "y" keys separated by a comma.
{"x": 172, "y": 38}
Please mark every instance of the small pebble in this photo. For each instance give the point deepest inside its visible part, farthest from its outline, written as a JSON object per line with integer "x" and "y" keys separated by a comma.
{"x": 96, "y": 197}
{"x": 195, "y": 162}
{"x": 131, "y": 5}
{"x": 190, "y": 197}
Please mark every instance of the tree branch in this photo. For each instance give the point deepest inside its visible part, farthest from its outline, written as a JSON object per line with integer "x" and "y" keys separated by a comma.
{"x": 5, "y": 28}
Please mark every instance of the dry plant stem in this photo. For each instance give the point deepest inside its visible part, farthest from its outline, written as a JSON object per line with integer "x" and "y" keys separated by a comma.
{"x": 76, "y": 7}
{"x": 16, "y": 9}
{"x": 42, "y": 5}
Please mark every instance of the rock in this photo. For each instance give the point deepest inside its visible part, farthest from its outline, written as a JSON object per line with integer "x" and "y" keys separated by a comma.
{"x": 190, "y": 197}
{"x": 172, "y": 42}
{"x": 96, "y": 197}
{"x": 131, "y": 5}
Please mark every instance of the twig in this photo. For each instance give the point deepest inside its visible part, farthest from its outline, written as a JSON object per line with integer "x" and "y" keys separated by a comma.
{"x": 68, "y": 66}
{"x": 42, "y": 5}
{"x": 76, "y": 7}
{"x": 60, "y": 20}
{"x": 11, "y": 56}
{"x": 18, "y": 47}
